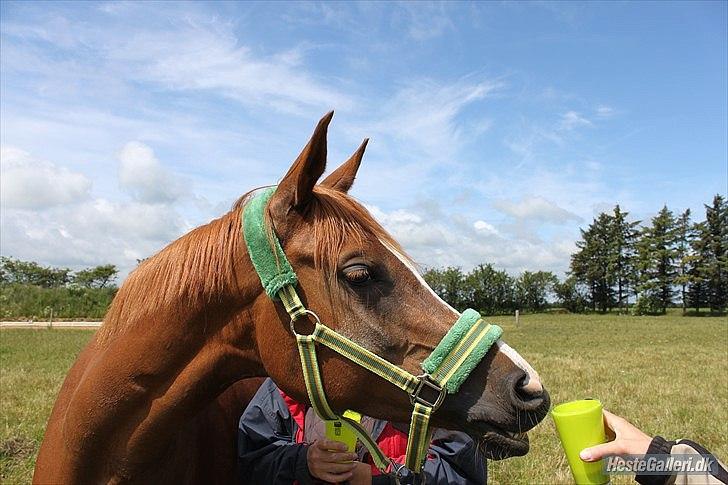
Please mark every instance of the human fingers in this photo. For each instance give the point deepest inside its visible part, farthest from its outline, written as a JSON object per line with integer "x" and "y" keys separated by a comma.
{"x": 598, "y": 452}
{"x": 331, "y": 445}
{"x": 337, "y": 468}
{"x": 336, "y": 478}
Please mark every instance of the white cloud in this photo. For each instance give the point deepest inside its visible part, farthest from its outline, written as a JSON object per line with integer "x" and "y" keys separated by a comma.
{"x": 425, "y": 21}
{"x": 536, "y": 208}
{"x": 72, "y": 228}
{"x": 185, "y": 50}
{"x": 29, "y": 183}
{"x": 438, "y": 239}
{"x": 604, "y": 111}
{"x": 572, "y": 119}
{"x": 91, "y": 233}
{"x": 143, "y": 176}
{"x": 423, "y": 116}
{"x": 204, "y": 54}
{"x": 484, "y": 227}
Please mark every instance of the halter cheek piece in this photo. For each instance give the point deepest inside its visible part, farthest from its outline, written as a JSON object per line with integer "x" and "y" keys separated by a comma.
{"x": 457, "y": 354}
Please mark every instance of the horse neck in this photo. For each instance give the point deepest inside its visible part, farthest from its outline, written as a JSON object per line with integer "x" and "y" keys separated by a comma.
{"x": 173, "y": 360}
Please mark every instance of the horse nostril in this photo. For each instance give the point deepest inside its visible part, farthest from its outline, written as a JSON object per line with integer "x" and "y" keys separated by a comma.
{"x": 527, "y": 389}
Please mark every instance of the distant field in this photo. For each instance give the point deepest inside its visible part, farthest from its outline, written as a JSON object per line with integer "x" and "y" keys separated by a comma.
{"x": 669, "y": 375}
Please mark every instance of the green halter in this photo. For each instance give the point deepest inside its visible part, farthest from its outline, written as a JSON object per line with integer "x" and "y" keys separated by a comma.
{"x": 446, "y": 368}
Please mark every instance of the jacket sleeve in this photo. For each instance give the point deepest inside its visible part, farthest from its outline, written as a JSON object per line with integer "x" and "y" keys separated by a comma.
{"x": 659, "y": 446}
{"x": 267, "y": 452}
{"x": 453, "y": 459}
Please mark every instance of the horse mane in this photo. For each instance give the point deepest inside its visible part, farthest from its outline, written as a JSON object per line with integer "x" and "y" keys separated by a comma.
{"x": 198, "y": 267}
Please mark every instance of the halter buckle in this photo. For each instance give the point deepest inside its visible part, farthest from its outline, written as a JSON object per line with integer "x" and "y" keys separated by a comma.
{"x": 425, "y": 381}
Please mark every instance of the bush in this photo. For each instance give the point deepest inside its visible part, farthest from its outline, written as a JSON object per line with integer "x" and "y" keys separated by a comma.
{"x": 648, "y": 305}
{"x": 19, "y": 301}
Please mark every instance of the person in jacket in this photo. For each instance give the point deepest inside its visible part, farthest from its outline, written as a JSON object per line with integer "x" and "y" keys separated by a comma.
{"x": 282, "y": 441}
{"x": 629, "y": 440}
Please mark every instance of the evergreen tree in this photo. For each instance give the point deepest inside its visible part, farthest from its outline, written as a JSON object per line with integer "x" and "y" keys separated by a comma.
{"x": 622, "y": 253}
{"x": 591, "y": 264}
{"x": 656, "y": 262}
{"x": 684, "y": 233}
{"x": 716, "y": 264}
{"x": 697, "y": 285}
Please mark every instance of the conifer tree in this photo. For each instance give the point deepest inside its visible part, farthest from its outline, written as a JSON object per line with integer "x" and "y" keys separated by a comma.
{"x": 656, "y": 262}
{"x": 697, "y": 290}
{"x": 716, "y": 264}
{"x": 622, "y": 253}
{"x": 591, "y": 264}
{"x": 684, "y": 233}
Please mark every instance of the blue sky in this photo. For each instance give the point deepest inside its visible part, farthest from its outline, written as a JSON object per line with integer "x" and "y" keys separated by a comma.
{"x": 497, "y": 129}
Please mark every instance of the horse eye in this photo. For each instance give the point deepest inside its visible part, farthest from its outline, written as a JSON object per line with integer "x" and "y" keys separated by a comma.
{"x": 357, "y": 274}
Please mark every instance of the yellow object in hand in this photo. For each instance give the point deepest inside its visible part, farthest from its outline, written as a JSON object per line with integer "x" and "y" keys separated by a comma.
{"x": 336, "y": 430}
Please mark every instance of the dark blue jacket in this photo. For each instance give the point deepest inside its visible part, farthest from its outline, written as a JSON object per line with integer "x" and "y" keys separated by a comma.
{"x": 268, "y": 453}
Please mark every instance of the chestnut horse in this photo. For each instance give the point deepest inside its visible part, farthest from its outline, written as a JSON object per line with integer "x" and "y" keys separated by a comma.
{"x": 156, "y": 394}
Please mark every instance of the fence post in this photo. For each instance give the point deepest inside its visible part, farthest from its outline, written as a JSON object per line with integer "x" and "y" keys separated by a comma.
{"x": 517, "y": 315}
{"x": 50, "y": 319}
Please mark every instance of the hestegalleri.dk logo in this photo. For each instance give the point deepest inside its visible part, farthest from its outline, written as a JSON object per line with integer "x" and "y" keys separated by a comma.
{"x": 658, "y": 464}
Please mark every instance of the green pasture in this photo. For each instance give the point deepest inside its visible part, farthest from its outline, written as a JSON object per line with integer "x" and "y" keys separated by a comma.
{"x": 669, "y": 375}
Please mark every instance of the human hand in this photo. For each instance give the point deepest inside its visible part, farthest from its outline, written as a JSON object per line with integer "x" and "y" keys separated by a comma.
{"x": 625, "y": 438}
{"x": 329, "y": 461}
{"x": 362, "y": 474}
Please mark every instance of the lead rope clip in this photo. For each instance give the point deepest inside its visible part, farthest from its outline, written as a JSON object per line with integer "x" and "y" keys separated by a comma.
{"x": 398, "y": 471}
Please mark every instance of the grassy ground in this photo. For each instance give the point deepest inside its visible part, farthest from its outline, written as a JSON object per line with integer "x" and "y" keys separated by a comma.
{"x": 33, "y": 364}
{"x": 669, "y": 375}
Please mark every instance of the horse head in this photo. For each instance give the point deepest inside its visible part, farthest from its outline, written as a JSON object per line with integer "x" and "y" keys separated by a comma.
{"x": 359, "y": 282}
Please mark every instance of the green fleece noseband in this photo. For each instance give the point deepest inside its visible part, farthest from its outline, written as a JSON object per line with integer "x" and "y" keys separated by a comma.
{"x": 460, "y": 350}
{"x": 454, "y": 358}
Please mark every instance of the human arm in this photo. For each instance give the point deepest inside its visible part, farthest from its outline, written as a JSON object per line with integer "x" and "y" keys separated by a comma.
{"x": 267, "y": 452}
{"x": 626, "y": 439}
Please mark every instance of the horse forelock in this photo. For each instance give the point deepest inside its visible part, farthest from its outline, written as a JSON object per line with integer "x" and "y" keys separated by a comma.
{"x": 337, "y": 219}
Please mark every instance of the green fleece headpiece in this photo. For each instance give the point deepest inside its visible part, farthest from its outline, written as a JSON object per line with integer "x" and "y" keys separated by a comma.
{"x": 265, "y": 251}
{"x": 460, "y": 350}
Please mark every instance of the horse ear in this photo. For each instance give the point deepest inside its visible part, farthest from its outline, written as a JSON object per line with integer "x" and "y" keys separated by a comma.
{"x": 296, "y": 187}
{"x": 343, "y": 177}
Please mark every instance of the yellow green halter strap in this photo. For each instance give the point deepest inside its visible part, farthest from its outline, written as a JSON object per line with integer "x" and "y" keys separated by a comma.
{"x": 457, "y": 354}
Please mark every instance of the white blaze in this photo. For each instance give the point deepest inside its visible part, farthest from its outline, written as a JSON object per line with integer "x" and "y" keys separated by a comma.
{"x": 417, "y": 274}
{"x": 532, "y": 384}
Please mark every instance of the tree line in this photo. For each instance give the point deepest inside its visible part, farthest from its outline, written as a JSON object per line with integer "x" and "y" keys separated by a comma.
{"x": 492, "y": 291}
{"x": 654, "y": 264}
{"x": 623, "y": 264}
{"x": 30, "y": 290}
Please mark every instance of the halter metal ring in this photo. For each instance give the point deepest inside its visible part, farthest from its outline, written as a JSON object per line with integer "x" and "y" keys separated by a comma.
{"x": 304, "y": 312}
{"x": 425, "y": 380}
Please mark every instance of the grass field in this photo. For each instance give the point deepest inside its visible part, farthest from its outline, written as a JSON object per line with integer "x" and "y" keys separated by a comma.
{"x": 669, "y": 375}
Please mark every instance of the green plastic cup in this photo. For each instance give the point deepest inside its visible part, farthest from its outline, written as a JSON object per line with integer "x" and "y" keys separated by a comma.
{"x": 580, "y": 425}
